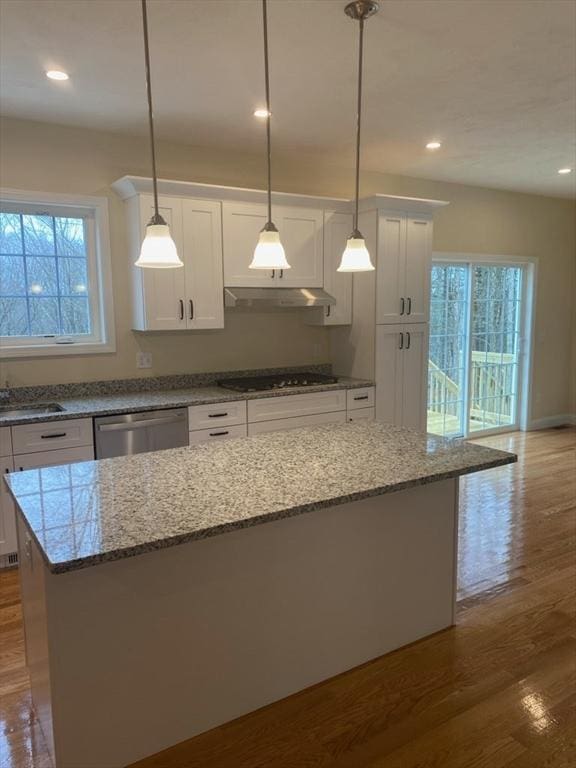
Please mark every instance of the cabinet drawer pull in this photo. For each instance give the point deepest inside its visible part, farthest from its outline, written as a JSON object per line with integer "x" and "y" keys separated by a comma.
{"x": 409, "y": 306}
{"x": 217, "y": 415}
{"x": 181, "y": 302}
{"x": 401, "y": 341}
{"x": 219, "y": 434}
{"x": 53, "y": 435}
{"x": 408, "y": 339}
{"x": 362, "y": 397}
{"x": 402, "y": 304}
{"x": 191, "y": 303}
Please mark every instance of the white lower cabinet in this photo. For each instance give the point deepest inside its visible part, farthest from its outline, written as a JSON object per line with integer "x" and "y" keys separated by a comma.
{"x": 53, "y": 458}
{"x": 296, "y": 422}
{"x": 7, "y": 516}
{"x": 362, "y": 414}
{"x": 401, "y": 374}
{"x": 287, "y": 406}
{"x": 205, "y": 417}
{"x": 218, "y": 432}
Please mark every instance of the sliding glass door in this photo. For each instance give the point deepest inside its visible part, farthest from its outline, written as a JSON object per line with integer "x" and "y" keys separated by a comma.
{"x": 474, "y": 357}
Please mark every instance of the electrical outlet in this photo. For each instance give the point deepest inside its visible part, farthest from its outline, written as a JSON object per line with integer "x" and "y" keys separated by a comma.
{"x": 144, "y": 359}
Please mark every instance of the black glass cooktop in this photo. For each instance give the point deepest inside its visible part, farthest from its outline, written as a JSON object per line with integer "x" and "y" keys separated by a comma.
{"x": 276, "y": 381}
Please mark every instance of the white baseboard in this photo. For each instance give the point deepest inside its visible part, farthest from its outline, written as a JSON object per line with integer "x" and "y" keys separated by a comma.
{"x": 552, "y": 421}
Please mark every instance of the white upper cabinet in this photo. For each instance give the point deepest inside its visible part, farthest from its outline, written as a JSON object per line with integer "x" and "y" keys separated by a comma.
{"x": 301, "y": 232}
{"x": 403, "y": 271}
{"x": 337, "y": 229}
{"x": 188, "y": 297}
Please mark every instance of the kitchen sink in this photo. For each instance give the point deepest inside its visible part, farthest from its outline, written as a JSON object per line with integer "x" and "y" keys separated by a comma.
{"x": 34, "y": 409}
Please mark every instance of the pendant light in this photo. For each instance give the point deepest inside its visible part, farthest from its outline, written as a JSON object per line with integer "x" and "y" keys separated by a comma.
{"x": 158, "y": 248}
{"x": 356, "y": 257}
{"x": 269, "y": 253}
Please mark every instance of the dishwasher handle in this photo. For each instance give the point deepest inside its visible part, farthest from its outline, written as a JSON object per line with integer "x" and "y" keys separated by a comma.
{"x": 128, "y": 426}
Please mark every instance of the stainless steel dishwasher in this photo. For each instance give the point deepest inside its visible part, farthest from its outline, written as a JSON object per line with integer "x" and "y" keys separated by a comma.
{"x": 129, "y": 433}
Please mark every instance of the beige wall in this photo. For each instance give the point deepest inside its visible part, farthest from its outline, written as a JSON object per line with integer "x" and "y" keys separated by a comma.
{"x": 51, "y": 158}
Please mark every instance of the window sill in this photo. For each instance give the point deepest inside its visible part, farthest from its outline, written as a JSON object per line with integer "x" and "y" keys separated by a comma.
{"x": 56, "y": 350}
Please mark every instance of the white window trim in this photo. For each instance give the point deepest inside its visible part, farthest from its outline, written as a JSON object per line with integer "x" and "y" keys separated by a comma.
{"x": 99, "y": 265}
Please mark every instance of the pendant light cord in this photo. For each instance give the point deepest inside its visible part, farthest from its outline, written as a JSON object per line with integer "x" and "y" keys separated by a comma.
{"x": 156, "y": 219}
{"x": 359, "y": 121}
{"x": 267, "y": 87}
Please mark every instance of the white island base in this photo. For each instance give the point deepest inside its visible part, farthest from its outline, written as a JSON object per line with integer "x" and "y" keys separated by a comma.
{"x": 129, "y": 657}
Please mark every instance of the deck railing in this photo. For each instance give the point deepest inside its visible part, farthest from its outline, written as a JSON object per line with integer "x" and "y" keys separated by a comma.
{"x": 492, "y": 388}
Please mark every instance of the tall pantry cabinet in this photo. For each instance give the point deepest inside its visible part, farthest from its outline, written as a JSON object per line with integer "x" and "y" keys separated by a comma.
{"x": 388, "y": 340}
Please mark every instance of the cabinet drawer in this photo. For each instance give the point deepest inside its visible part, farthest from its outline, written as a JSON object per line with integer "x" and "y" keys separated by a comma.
{"x": 287, "y": 406}
{"x": 216, "y": 415}
{"x": 277, "y": 425}
{"x": 218, "y": 432}
{"x": 360, "y": 398}
{"x": 51, "y": 435}
{"x": 5, "y": 441}
{"x": 42, "y": 459}
{"x": 362, "y": 414}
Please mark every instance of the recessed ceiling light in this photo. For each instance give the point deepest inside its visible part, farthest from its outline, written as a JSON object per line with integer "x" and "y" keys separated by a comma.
{"x": 433, "y": 145}
{"x": 57, "y": 74}
{"x": 262, "y": 113}
{"x": 565, "y": 170}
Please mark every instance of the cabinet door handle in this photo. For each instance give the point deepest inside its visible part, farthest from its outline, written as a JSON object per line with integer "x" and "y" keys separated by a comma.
{"x": 408, "y": 339}
{"x": 281, "y": 273}
{"x": 328, "y": 310}
{"x": 362, "y": 397}
{"x": 219, "y": 434}
{"x": 53, "y": 435}
{"x": 409, "y": 306}
{"x": 217, "y": 415}
{"x": 402, "y": 303}
{"x": 191, "y": 304}
{"x": 401, "y": 341}
{"x": 181, "y": 302}
{"x": 273, "y": 275}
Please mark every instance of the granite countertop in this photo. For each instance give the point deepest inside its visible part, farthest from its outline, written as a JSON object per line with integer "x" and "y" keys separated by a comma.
{"x": 97, "y": 511}
{"x": 131, "y": 402}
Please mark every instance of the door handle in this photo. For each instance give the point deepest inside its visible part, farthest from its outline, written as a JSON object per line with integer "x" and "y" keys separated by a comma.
{"x": 328, "y": 310}
{"x": 191, "y": 304}
{"x": 273, "y": 275}
{"x": 402, "y": 303}
{"x": 408, "y": 339}
{"x": 401, "y": 341}
{"x": 409, "y": 306}
{"x": 128, "y": 426}
{"x": 281, "y": 273}
{"x": 181, "y": 302}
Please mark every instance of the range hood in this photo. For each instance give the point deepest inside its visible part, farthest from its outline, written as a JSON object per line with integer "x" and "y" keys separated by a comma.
{"x": 277, "y": 297}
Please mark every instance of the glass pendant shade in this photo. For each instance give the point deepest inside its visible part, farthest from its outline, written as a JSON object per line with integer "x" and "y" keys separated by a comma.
{"x": 158, "y": 249}
{"x": 355, "y": 257}
{"x": 269, "y": 252}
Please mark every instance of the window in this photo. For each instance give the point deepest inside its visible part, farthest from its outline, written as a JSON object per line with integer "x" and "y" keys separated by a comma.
{"x": 55, "y": 293}
{"x": 477, "y": 326}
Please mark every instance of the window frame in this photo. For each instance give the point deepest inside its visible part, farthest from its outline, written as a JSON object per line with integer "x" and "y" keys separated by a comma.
{"x": 94, "y": 211}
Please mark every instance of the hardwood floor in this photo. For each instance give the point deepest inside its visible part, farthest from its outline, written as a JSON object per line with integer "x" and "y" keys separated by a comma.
{"x": 499, "y": 689}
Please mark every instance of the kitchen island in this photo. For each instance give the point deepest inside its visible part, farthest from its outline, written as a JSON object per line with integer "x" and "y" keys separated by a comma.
{"x": 145, "y": 625}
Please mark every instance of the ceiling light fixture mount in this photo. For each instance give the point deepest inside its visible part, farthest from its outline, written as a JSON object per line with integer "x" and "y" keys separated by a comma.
{"x": 269, "y": 252}
{"x": 356, "y": 257}
{"x": 158, "y": 248}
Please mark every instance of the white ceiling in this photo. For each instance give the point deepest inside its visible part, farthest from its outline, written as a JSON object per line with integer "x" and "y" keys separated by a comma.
{"x": 494, "y": 80}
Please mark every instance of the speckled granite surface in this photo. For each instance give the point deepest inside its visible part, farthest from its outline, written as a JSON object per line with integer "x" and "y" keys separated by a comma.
{"x": 97, "y": 511}
{"x": 130, "y": 402}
